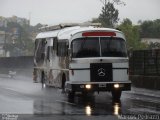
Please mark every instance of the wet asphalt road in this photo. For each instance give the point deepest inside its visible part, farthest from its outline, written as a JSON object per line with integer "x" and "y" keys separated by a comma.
{"x": 20, "y": 96}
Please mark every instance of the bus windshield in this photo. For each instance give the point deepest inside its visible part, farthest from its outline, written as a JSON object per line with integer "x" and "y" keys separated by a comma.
{"x": 98, "y": 47}
{"x": 86, "y": 47}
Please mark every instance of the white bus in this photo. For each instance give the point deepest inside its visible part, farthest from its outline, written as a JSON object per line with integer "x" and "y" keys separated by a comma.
{"x": 82, "y": 59}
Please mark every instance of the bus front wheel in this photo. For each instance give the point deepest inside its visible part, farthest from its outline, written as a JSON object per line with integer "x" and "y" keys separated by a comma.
{"x": 116, "y": 95}
{"x": 71, "y": 96}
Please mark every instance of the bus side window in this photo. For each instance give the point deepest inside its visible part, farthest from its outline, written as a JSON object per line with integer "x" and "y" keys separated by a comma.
{"x": 55, "y": 42}
{"x": 44, "y": 42}
{"x": 62, "y": 49}
{"x": 39, "y": 50}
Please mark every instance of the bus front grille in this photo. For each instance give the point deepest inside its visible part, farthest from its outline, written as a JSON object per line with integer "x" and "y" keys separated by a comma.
{"x": 101, "y": 72}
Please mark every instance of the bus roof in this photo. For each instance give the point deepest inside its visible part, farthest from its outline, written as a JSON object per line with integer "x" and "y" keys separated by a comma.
{"x": 68, "y": 32}
{"x": 47, "y": 34}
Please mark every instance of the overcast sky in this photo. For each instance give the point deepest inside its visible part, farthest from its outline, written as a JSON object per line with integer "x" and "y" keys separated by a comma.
{"x": 60, "y": 11}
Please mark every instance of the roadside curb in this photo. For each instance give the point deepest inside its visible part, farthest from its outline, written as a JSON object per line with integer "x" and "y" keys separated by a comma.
{"x": 146, "y": 92}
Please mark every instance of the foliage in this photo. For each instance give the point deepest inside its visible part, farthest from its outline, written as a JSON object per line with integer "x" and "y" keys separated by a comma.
{"x": 150, "y": 29}
{"x": 19, "y": 37}
{"x": 22, "y": 45}
{"x": 109, "y": 15}
{"x": 132, "y": 35}
{"x": 118, "y": 2}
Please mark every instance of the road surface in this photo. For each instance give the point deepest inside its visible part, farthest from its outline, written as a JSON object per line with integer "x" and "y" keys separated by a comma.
{"x": 22, "y": 99}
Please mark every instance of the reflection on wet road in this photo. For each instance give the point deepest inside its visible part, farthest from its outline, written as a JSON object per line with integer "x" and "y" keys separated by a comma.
{"x": 22, "y": 96}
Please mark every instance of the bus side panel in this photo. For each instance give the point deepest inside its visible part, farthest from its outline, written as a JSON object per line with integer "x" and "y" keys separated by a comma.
{"x": 120, "y": 71}
{"x": 39, "y": 60}
{"x": 54, "y": 73}
{"x": 80, "y": 75}
{"x": 58, "y": 66}
{"x": 80, "y": 72}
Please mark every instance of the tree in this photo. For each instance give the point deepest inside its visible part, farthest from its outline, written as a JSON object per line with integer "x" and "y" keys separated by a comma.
{"x": 118, "y": 2}
{"x": 109, "y": 15}
{"x": 22, "y": 44}
{"x": 150, "y": 29}
{"x": 132, "y": 35}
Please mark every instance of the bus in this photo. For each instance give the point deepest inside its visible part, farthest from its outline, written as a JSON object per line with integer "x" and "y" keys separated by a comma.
{"x": 82, "y": 59}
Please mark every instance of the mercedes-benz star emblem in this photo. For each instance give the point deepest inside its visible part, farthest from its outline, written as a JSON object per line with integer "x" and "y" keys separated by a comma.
{"x": 101, "y": 72}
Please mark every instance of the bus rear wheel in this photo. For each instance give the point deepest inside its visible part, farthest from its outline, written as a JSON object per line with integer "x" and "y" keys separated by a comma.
{"x": 43, "y": 78}
{"x": 63, "y": 83}
{"x": 116, "y": 95}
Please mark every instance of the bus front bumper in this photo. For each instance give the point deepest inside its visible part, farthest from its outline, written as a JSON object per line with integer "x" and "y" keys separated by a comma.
{"x": 98, "y": 86}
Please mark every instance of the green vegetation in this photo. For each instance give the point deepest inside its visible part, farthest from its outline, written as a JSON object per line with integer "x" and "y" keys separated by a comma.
{"x": 22, "y": 43}
{"x": 150, "y": 29}
{"x": 132, "y": 35}
{"x": 109, "y": 15}
{"x": 19, "y": 37}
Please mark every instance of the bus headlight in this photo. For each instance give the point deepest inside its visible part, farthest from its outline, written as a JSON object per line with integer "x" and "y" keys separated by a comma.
{"x": 116, "y": 86}
{"x": 88, "y": 86}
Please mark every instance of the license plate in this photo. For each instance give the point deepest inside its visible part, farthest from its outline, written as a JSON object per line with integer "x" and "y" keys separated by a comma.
{"x": 102, "y": 85}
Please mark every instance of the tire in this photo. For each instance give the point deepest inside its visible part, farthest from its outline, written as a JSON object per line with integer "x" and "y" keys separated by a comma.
{"x": 116, "y": 95}
{"x": 63, "y": 82}
{"x": 71, "y": 96}
{"x": 43, "y": 79}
